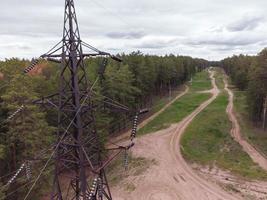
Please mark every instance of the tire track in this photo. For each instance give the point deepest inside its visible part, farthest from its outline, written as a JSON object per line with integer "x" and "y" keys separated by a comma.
{"x": 171, "y": 178}
{"x": 149, "y": 119}
{"x": 256, "y": 156}
{"x": 212, "y": 191}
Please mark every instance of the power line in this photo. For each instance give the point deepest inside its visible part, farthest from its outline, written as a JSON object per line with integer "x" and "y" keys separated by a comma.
{"x": 17, "y": 189}
{"x": 20, "y": 187}
{"x": 23, "y": 165}
{"x": 16, "y": 174}
{"x": 41, "y": 172}
{"x": 116, "y": 102}
{"x": 10, "y": 173}
{"x": 119, "y": 17}
{"x": 62, "y": 137}
{"x": 72, "y": 60}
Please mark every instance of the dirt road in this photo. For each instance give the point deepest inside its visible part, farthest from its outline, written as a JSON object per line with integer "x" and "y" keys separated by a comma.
{"x": 146, "y": 121}
{"x": 235, "y": 132}
{"x": 171, "y": 178}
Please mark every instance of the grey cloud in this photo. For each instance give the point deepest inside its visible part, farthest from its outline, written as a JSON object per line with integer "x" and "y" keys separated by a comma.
{"x": 226, "y": 41}
{"x": 113, "y": 49}
{"x": 126, "y": 35}
{"x": 150, "y": 26}
{"x": 224, "y": 48}
{"x": 17, "y": 46}
{"x": 25, "y": 47}
{"x": 263, "y": 43}
{"x": 156, "y": 43}
{"x": 216, "y": 29}
{"x": 247, "y": 23}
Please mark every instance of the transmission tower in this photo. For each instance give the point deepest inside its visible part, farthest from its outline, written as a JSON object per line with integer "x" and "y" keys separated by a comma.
{"x": 79, "y": 154}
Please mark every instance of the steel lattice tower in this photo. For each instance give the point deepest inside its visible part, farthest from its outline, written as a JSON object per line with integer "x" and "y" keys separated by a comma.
{"x": 79, "y": 152}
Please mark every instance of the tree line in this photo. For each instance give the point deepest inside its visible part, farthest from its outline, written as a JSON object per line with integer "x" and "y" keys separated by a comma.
{"x": 249, "y": 73}
{"x": 135, "y": 83}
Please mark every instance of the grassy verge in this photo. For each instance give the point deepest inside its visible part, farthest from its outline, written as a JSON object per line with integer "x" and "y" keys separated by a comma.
{"x": 219, "y": 75}
{"x": 175, "y": 112}
{"x": 201, "y": 81}
{"x": 254, "y": 135}
{"x": 207, "y": 141}
{"x": 183, "y": 106}
{"x": 160, "y": 102}
{"x": 137, "y": 165}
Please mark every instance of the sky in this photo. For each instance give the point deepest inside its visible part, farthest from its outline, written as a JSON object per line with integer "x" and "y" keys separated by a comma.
{"x": 209, "y": 29}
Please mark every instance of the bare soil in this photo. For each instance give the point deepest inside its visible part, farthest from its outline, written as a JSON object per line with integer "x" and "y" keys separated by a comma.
{"x": 249, "y": 190}
{"x": 172, "y": 178}
{"x": 256, "y": 156}
{"x": 146, "y": 121}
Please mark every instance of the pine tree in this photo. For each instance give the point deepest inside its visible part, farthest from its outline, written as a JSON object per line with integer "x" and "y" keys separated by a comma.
{"x": 28, "y": 132}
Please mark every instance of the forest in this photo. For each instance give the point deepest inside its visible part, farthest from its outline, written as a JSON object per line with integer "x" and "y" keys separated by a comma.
{"x": 249, "y": 73}
{"x": 134, "y": 83}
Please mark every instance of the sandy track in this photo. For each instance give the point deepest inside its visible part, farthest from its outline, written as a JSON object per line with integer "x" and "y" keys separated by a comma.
{"x": 171, "y": 178}
{"x": 141, "y": 125}
{"x": 149, "y": 119}
{"x": 248, "y": 189}
{"x": 236, "y": 134}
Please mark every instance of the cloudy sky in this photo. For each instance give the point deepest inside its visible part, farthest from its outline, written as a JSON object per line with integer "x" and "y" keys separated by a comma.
{"x": 211, "y": 29}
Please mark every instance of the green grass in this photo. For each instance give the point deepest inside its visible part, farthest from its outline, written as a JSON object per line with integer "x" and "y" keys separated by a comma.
{"x": 219, "y": 75}
{"x": 183, "y": 106}
{"x": 254, "y": 135}
{"x": 137, "y": 166}
{"x": 160, "y": 102}
{"x": 175, "y": 112}
{"x": 207, "y": 141}
{"x": 201, "y": 81}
